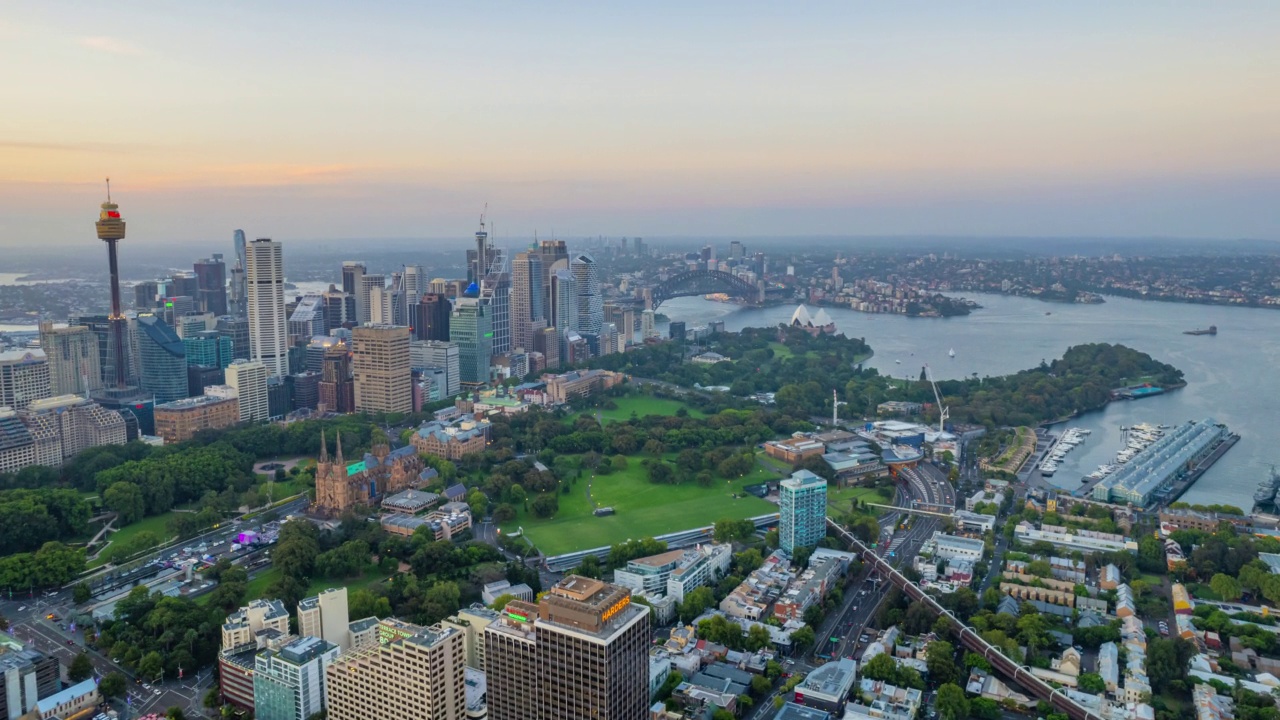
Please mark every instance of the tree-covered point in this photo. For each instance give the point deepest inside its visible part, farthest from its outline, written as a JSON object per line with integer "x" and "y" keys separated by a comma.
{"x": 802, "y": 370}
{"x": 761, "y": 360}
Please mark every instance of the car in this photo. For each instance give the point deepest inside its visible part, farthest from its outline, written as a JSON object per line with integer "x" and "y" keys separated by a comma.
{"x": 146, "y": 687}
{"x": 22, "y": 609}
{"x": 155, "y": 692}
{"x": 70, "y": 641}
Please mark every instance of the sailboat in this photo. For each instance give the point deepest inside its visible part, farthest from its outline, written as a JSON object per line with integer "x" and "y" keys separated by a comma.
{"x": 951, "y": 352}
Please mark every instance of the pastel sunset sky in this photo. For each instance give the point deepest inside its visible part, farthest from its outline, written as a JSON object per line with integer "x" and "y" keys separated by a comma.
{"x": 395, "y": 119}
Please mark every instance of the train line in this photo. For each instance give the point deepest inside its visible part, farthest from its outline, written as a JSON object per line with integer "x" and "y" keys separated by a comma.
{"x": 969, "y": 637}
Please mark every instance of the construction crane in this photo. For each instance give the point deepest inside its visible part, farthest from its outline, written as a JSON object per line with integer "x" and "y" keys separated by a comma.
{"x": 835, "y": 406}
{"x": 943, "y": 414}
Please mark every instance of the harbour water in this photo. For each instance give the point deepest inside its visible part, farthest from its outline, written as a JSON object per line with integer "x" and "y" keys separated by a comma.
{"x": 1231, "y": 376}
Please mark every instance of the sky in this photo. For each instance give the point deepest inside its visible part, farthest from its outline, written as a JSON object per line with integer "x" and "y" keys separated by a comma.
{"x": 324, "y": 120}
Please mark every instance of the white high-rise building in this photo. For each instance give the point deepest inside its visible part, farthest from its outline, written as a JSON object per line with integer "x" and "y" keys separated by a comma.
{"x": 249, "y": 379}
{"x": 268, "y": 324}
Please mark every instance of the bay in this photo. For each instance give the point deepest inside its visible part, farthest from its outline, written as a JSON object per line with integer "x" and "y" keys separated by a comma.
{"x": 1230, "y": 377}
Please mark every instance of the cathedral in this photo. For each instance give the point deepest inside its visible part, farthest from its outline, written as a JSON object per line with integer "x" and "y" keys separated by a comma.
{"x": 382, "y": 471}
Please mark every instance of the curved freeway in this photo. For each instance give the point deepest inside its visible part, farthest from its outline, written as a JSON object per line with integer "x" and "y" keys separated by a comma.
{"x": 969, "y": 637}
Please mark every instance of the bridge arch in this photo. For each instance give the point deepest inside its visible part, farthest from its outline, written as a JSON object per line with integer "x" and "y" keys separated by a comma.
{"x": 704, "y": 282}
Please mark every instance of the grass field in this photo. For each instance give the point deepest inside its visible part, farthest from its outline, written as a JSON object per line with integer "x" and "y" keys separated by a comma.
{"x": 257, "y": 587}
{"x": 642, "y": 509}
{"x": 838, "y": 498}
{"x": 641, "y": 405}
{"x": 157, "y": 524}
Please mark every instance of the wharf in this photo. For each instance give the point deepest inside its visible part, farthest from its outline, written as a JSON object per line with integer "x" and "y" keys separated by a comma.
{"x": 1182, "y": 485}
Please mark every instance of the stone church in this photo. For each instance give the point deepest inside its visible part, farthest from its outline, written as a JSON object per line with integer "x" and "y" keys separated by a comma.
{"x": 341, "y": 486}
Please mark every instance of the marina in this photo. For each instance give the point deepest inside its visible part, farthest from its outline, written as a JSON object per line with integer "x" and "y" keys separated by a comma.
{"x": 1160, "y": 464}
{"x": 1064, "y": 444}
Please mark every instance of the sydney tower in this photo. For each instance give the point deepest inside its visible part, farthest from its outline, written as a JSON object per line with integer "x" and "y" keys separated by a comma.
{"x": 111, "y": 230}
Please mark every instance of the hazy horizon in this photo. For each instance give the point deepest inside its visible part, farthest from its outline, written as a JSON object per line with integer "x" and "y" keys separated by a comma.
{"x": 729, "y": 120}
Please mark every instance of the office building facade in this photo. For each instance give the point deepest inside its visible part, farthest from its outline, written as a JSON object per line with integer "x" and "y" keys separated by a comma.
{"x": 526, "y": 297}
{"x": 179, "y": 420}
{"x": 288, "y": 684}
{"x": 443, "y": 355}
{"x": 417, "y": 674}
{"x": 162, "y": 358}
{"x": 586, "y": 276}
{"x": 380, "y": 369}
{"x": 430, "y": 317}
{"x": 581, "y": 652}
{"x": 249, "y": 380}
{"x": 268, "y": 324}
{"x": 211, "y": 285}
{"x": 471, "y": 329}
{"x": 75, "y": 365}
{"x": 802, "y": 508}
{"x": 24, "y": 377}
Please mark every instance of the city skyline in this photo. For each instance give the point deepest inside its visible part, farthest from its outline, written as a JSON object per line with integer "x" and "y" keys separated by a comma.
{"x": 721, "y": 121}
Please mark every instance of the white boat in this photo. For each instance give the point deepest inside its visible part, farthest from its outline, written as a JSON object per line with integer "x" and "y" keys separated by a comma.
{"x": 1048, "y": 469}
{"x": 899, "y": 362}
{"x": 951, "y": 352}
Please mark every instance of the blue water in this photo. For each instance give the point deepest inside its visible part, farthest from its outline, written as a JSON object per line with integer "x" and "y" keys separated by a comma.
{"x": 1231, "y": 377}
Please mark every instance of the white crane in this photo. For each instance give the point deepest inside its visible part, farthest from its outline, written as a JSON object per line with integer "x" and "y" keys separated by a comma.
{"x": 943, "y": 413}
{"x": 836, "y": 402}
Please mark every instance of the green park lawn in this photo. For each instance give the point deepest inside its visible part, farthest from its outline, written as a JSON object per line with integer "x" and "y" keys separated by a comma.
{"x": 641, "y": 405}
{"x": 157, "y": 524}
{"x": 257, "y": 587}
{"x": 838, "y": 497}
{"x": 642, "y": 509}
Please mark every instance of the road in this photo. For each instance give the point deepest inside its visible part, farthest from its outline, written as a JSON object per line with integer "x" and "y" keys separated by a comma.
{"x": 926, "y": 484}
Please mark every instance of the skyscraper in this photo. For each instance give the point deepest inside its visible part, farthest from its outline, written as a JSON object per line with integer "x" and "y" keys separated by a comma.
{"x": 590, "y": 302}
{"x": 268, "y": 328}
{"x": 431, "y": 317}
{"x": 75, "y": 367}
{"x": 413, "y": 286}
{"x": 352, "y": 279}
{"x": 496, "y": 291}
{"x": 471, "y": 329}
{"x": 367, "y": 284}
{"x": 249, "y": 379}
{"x": 308, "y": 318}
{"x": 526, "y": 297}
{"x": 325, "y": 616}
{"x": 802, "y": 509}
{"x": 162, "y": 358}
{"x": 211, "y": 285}
{"x": 581, "y": 652}
{"x": 339, "y": 308}
{"x": 418, "y": 674}
{"x": 238, "y": 293}
{"x": 380, "y": 369}
{"x": 736, "y": 251}
{"x": 442, "y": 355}
{"x": 563, "y": 309}
{"x": 337, "y": 394}
{"x": 236, "y": 328}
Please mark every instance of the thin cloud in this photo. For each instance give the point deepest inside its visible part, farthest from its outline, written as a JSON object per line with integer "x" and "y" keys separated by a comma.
{"x": 110, "y": 45}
